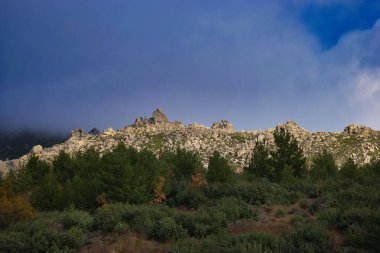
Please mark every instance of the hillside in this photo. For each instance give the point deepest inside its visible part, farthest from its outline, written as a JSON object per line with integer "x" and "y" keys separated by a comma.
{"x": 157, "y": 133}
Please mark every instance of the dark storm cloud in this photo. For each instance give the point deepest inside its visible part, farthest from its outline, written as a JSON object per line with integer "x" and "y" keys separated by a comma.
{"x": 90, "y": 63}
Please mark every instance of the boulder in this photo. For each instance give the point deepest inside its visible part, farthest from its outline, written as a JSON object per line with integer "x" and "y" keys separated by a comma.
{"x": 36, "y": 150}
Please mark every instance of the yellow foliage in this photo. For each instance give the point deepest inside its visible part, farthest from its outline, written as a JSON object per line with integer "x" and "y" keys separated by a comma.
{"x": 13, "y": 208}
{"x": 198, "y": 180}
{"x": 159, "y": 194}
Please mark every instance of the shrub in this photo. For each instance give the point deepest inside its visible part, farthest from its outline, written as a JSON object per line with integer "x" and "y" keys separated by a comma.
{"x": 44, "y": 233}
{"x": 13, "y": 208}
{"x": 311, "y": 238}
{"x": 168, "y": 230}
{"x": 235, "y": 209}
{"x": 107, "y": 217}
{"x": 71, "y": 217}
{"x": 329, "y": 217}
{"x": 203, "y": 222}
{"x": 191, "y": 197}
{"x": 362, "y": 228}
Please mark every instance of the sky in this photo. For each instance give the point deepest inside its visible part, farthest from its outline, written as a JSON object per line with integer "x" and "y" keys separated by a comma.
{"x": 83, "y": 64}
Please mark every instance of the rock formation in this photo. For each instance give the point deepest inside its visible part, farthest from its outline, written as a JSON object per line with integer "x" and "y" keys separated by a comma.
{"x": 156, "y": 133}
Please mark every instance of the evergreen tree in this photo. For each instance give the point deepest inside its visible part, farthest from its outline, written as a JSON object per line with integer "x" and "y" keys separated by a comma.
{"x": 218, "y": 169}
{"x": 184, "y": 163}
{"x": 260, "y": 164}
{"x": 349, "y": 169}
{"x": 324, "y": 166}
{"x": 287, "y": 153}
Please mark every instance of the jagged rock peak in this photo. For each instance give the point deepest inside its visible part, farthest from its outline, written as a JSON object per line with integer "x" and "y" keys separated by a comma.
{"x": 77, "y": 133}
{"x": 224, "y": 124}
{"x": 94, "y": 131}
{"x": 291, "y": 123}
{"x": 357, "y": 129}
{"x": 158, "y": 116}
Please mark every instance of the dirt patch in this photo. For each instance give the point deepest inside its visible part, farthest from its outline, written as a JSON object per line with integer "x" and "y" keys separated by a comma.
{"x": 126, "y": 243}
{"x": 337, "y": 238}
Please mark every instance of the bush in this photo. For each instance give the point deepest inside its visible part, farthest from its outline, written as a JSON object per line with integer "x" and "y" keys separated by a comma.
{"x": 362, "y": 228}
{"x": 44, "y": 233}
{"x": 13, "y": 209}
{"x": 107, "y": 217}
{"x": 311, "y": 238}
{"x": 168, "y": 230}
{"x": 71, "y": 217}
{"x": 329, "y": 217}
{"x": 203, "y": 222}
{"x": 235, "y": 209}
{"x": 191, "y": 197}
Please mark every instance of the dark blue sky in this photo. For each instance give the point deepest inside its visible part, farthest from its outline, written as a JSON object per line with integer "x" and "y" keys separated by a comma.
{"x": 68, "y": 64}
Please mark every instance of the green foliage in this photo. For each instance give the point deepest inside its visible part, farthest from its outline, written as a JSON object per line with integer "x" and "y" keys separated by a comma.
{"x": 252, "y": 242}
{"x": 108, "y": 217}
{"x": 191, "y": 197}
{"x": 218, "y": 169}
{"x": 312, "y": 238}
{"x": 362, "y": 228}
{"x": 303, "y": 203}
{"x": 45, "y": 233}
{"x": 255, "y": 193}
{"x": 235, "y": 209}
{"x": 260, "y": 164}
{"x": 168, "y": 230}
{"x": 329, "y": 217}
{"x": 203, "y": 222}
{"x": 184, "y": 163}
{"x": 324, "y": 166}
{"x": 349, "y": 169}
{"x": 288, "y": 153}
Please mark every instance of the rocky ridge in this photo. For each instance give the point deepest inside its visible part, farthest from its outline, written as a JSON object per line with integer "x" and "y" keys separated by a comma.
{"x": 361, "y": 143}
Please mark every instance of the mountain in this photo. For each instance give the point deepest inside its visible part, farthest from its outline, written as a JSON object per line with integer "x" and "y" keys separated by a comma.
{"x": 157, "y": 133}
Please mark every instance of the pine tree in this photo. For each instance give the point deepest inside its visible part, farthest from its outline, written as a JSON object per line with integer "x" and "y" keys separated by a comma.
{"x": 324, "y": 166}
{"x": 218, "y": 169}
{"x": 287, "y": 153}
{"x": 260, "y": 164}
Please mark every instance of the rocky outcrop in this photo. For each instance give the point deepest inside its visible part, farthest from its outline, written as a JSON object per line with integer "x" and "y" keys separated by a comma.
{"x": 94, "y": 131}
{"x": 157, "y": 133}
{"x": 224, "y": 124}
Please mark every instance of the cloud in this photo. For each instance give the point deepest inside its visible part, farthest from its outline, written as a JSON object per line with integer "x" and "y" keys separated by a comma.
{"x": 253, "y": 63}
{"x": 355, "y": 64}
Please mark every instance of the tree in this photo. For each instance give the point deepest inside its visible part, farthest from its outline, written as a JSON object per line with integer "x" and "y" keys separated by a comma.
{"x": 349, "y": 169}
{"x": 260, "y": 164}
{"x": 184, "y": 163}
{"x": 287, "y": 153}
{"x": 324, "y": 166}
{"x": 218, "y": 169}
